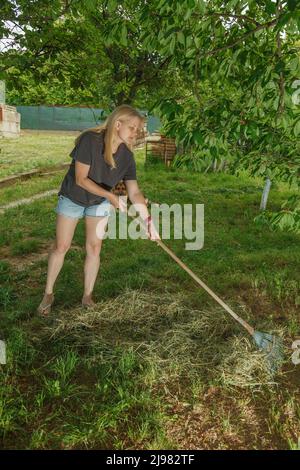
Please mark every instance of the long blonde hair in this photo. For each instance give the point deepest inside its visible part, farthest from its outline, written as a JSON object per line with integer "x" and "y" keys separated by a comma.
{"x": 122, "y": 112}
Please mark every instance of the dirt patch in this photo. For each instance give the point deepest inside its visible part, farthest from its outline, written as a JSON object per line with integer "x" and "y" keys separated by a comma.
{"x": 260, "y": 304}
{"x": 218, "y": 422}
{"x": 19, "y": 263}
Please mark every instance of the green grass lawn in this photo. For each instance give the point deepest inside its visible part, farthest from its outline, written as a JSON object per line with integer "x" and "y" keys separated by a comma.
{"x": 158, "y": 364}
{"x": 34, "y": 150}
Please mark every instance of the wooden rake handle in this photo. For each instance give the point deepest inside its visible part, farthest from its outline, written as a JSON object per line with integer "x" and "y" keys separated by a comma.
{"x": 246, "y": 325}
{"x": 205, "y": 287}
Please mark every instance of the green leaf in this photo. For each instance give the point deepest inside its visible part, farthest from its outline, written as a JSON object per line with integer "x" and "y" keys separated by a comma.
{"x": 190, "y": 53}
{"x": 172, "y": 45}
{"x": 188, "y": 14}
{"x": 283, "y": 20}
{"x": 181, "y": 38}
{"x": 124, "y": 35}
{"x": 213, "y": 151}
{"x": 270, "y": 7}
{"x": 294, "y": 64}
{"x": 286, "y": 221}
{"x": 297, "y": 128}
{"x": 111, "y": 5}
{"x": 292, "y": 4}
{"x": 202, "y": 6}
{"x": 198, "y": 137}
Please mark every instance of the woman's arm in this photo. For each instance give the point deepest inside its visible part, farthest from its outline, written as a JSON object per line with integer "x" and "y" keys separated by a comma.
{"x": 138, "y": 200}
{"x": 82, "y": 180}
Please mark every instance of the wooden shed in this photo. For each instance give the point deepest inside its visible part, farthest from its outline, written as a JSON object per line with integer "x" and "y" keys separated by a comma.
{"x": 159, "y": 146}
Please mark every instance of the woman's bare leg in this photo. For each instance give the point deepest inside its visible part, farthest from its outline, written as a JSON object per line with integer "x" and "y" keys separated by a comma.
{"x": 95, "y": 227}
{"x": 65, "y": 227}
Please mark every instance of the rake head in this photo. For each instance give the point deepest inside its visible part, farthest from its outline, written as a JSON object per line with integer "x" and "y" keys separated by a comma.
{"x": 272, "y": 346}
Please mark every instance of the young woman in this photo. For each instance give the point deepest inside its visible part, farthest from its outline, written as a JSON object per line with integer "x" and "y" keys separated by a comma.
{"x": 102, "y": 157}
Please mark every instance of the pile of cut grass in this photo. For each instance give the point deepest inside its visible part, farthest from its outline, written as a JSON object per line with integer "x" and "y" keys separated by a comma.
{"x": 178, "y": 341}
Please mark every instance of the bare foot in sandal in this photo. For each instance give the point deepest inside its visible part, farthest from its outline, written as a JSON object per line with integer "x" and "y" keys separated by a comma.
{"x": 45, "y": 306}
{"x": 87, "y": 301}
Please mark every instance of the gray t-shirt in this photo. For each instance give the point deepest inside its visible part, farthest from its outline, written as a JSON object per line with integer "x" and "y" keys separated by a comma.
{"x": 90, "y": 150}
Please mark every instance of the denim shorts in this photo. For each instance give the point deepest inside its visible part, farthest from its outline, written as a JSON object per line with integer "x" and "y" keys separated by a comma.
{"x": 70, "y": 209}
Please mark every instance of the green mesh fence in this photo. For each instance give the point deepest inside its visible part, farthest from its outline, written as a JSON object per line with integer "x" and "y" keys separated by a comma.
{"x": 65, "y": 118}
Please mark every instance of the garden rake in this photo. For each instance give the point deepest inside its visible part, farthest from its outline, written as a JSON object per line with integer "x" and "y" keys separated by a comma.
{"x": 271, "y": 345}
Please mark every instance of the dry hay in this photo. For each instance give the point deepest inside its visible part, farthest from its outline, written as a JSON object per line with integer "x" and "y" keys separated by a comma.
{"x": 175, "y": 339}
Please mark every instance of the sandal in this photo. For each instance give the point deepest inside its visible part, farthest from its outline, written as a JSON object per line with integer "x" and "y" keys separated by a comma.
{"x": 44, "y": 308}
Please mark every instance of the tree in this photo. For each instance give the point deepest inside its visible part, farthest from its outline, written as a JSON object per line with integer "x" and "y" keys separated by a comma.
{"x": 236, "y": 63}
{"x": 69, "y": 45}
{"x": 243, "y": 57}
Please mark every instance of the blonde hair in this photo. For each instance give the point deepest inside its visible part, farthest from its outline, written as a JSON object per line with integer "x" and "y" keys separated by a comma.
{"x": 121, "y": 113}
